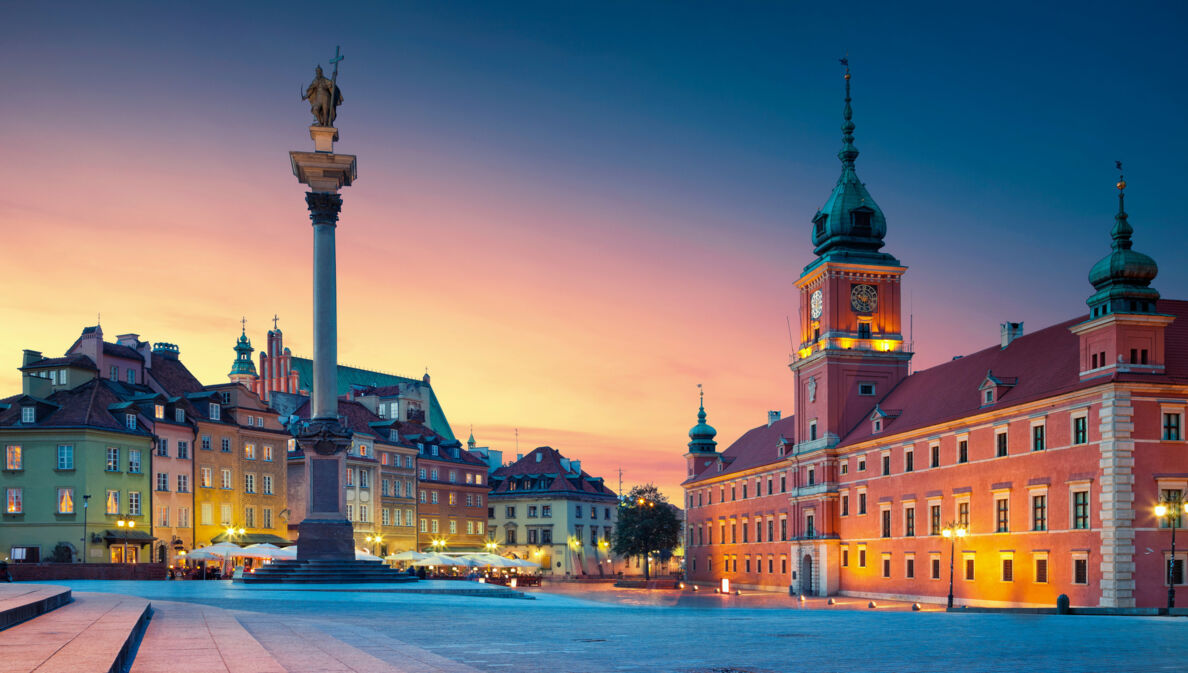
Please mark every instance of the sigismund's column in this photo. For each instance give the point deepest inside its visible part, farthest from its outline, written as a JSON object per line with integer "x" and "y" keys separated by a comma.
{"x": 325, "y": 533}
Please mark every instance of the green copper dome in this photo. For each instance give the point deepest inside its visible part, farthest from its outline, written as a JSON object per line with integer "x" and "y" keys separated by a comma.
{"x": 243, "y": 364}
{"x": 1123, "y": 277}
{"x": 850, "y": 226}
{"x": 702, "y": 434}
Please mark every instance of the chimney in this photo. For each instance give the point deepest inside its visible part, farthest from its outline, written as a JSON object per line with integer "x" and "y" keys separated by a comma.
{"x": 129, "y": 340}
{"x": 167, "y": 350}
{"x": 1010, "y": 331}
{"x": 519, "y": 457}
{"x": 577, "y": 466}
{"x": 772, "y": 417}
{"x": 30, "y": 357}
{"x": 564, "y": 463}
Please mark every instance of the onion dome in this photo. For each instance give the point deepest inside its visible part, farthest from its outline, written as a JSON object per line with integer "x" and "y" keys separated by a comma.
{"x": 1123, "y": 277}
{"x": 702, "y": 434}
{"x": 850, "y": 226}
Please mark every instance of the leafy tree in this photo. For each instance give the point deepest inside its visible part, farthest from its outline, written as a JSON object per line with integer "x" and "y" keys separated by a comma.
{"x": 62, "y": 553}
{"x": 647, "y": 525}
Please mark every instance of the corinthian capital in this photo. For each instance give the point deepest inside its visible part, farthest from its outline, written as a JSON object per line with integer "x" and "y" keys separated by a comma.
{"x": 323, "y": 207}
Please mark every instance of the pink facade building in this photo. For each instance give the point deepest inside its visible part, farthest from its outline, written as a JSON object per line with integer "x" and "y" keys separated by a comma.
{"x": 1047, "y": 451}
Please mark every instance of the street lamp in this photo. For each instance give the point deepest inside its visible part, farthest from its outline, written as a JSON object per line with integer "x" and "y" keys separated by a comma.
{"x": 952, "y": 532}
{"x": 86, "y": 502}
{"x": 1170, "y": 511}
{"x": 374, "y": 539}
{"x": 126, "y": 526}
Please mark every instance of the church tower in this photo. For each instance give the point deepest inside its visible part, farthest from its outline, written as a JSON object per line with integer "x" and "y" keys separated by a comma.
{"x": 243, "y": 370}
{"x": 703, "y": 450}
{"x": 1124, "y": 331}
{"x": 852, "y": 350}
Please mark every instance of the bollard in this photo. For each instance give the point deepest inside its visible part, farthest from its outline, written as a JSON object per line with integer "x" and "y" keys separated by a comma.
{"x": 872, "y": 604}
{"x": 800, "y": 598}
{"x": 1062, "y": 604}
{"x": 737, "y": 592}
{"x": 915, "y": 607}
{"x": 833, "y": 601}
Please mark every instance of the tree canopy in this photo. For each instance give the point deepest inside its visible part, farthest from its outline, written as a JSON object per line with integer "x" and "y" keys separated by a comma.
{"x": 647, "y": 525}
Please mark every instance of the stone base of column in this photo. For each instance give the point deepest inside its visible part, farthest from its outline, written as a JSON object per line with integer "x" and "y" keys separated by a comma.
{"x": 325, "y": 540}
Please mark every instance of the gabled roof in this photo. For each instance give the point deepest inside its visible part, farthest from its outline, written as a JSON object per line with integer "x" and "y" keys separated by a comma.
{"x": 172, "y": 376}
{"x": 546, "y": 474}
{"x": 1034, "y": 366}
{"x": 86, "y": 405}
{"x": 756, "y": 448}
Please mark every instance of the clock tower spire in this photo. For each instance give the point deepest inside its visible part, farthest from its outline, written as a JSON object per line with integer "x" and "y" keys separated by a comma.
{"x": 851, "y": 350}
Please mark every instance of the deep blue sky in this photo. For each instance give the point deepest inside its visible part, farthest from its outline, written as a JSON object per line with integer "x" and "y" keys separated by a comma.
{"x": 683, "y": 146}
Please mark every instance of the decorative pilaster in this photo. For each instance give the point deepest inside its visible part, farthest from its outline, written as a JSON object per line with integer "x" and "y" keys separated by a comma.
{"x": 1116, "y": 499}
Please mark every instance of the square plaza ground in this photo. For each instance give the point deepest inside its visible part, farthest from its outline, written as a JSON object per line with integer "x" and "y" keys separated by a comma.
{"x": 595, "y": 629}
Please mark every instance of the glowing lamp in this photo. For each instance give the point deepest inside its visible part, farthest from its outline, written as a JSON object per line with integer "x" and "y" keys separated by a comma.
{"x": 1161, "y": 510}
{"x": 947, "y": 533}
{"x": 512, "y": 583}
{"x": 960, "y": 532}
{"x": 725, "y": 585}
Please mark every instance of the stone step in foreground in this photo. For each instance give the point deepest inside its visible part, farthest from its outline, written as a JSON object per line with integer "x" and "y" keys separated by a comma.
{"x": 193, "y": 638}
{"x": 21, "y": 602}
{"x": 96, "y": 633}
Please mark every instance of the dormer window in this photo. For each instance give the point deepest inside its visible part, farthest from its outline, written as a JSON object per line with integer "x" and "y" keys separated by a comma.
{"x": 159, "y": 410}
{"x": 861, "y": 221}
{"x": 131, "y": 376}
{"x": 179, "y": 415}
{"x": 215, "y": 412}
{"x": 989, "y": 398}
{"x": 28, "y": 414}
{"x": 819, "y": 225}
{"x": 877, "y": 426}
{"x": 130, "y": 421}
{"x": 435, "y": 450}
{"x": 115, "y": 373}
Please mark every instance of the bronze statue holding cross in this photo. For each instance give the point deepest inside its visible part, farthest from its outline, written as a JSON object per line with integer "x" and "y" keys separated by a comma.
{"x": 323, "y": 94}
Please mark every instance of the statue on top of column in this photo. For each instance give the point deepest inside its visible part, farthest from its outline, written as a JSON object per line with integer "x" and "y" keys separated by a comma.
{"x": 324, "y": 97}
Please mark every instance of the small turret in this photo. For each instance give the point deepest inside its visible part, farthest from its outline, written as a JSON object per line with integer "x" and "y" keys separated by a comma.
{"x": 243, "y": 370}
{"x": 702, "y": 448}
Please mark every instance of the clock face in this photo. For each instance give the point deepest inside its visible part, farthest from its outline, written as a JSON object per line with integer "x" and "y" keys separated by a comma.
{"x": 864, "y": 298}
{"x": 816, "y": 304}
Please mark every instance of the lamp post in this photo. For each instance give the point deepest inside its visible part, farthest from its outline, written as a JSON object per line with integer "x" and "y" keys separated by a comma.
{"x": 125, "y": 525}
{"x": 952, "y": 532}
{"x": 1170, "y": 510}
{"x": 86, "y": 501}
{"x": 374, "y": 540}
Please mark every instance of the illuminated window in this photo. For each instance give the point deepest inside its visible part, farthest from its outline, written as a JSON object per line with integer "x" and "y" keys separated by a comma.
{"x": 226, "y": 478}
{"x": 249, "y": 451}
{"x": 204, "y": 477}
{"x": 159, "y": 410}
{"x": 268, "y": 452}
{"x": 13, "y": 458}
{"x": 14, "y": 503}
{"x": 113, "y": 459}
{"x": 113, "y": 502}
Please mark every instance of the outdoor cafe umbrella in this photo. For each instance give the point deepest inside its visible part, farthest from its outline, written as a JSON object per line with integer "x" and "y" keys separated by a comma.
{"x": 437, "y": 560}
{"x": 361, "y": 555}
{"x": 219, "y": 551}
{"x": 203, "y": 555}
{"x": 409, "y": 555}
{"x": 266, "y": 551}
{"x": 492, "y": 560}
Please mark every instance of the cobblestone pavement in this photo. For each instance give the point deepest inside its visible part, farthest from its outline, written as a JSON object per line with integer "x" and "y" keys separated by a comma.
{"x": 659, "y": 632}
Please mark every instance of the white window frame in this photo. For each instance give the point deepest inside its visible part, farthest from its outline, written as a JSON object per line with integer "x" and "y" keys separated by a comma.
{"x": 29, "y": 414}
{"x": 1072, "y": 430}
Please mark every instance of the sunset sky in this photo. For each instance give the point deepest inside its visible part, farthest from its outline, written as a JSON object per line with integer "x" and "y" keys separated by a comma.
{"x": 572, "y": 214}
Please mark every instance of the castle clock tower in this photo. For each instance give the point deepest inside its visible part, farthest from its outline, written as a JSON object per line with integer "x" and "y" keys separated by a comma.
{"x": 852, "y": 350}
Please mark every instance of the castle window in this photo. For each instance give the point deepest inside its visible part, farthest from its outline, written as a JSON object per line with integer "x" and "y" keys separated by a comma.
{"x": 989, "y": 397}
{"x": 866, "y": 389}
{"x": 812, "y": 430}
{"x": 1171, "y": 426}
{"x": 863, "y": 330}
{"x": 819, "y": 226}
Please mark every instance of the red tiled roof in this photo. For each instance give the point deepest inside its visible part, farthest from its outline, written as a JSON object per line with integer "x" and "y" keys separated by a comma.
{"x": 173, "y": 376}
{"x": 84, "y": 405}
{"x": 1045, "y": 364}
{"x": 757, "y": 447}
{"x": 548, "y": 464}
{"x": 76, "y": 360}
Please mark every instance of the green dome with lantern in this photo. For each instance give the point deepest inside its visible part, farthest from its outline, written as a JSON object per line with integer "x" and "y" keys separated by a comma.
{"x": 1123, "y": 277}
